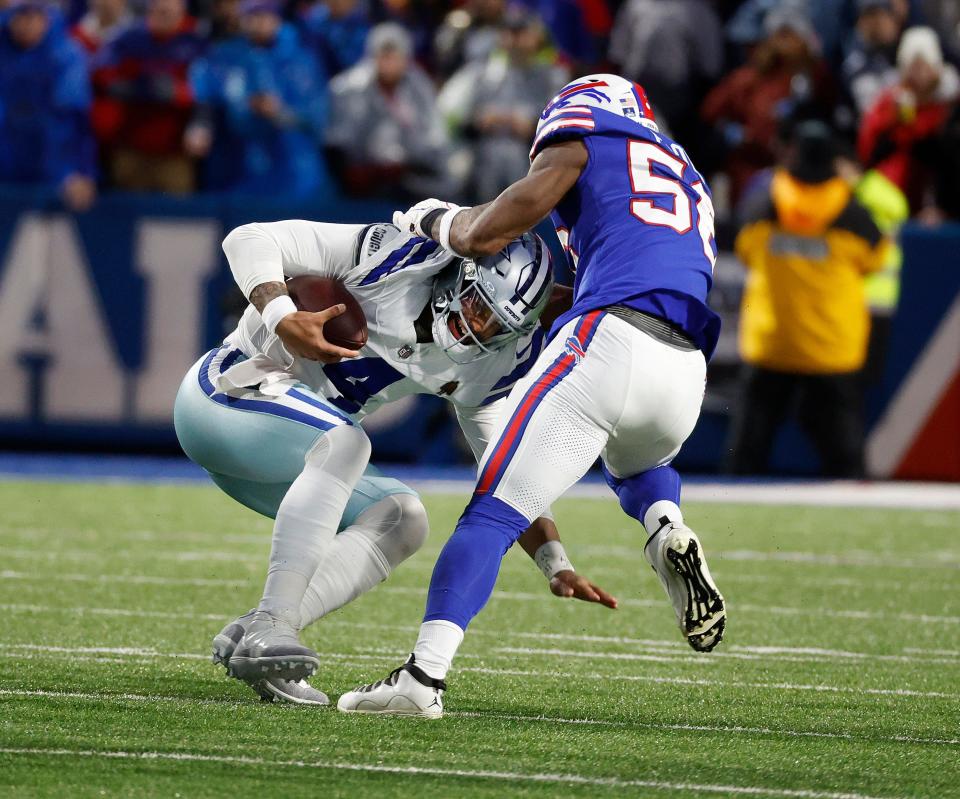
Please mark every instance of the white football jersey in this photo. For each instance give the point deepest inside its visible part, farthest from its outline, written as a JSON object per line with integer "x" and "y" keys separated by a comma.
{"x": 391, "y": 274}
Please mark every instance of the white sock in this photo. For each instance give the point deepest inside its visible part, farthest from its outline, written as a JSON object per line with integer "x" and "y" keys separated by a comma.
{"x": 308, "y": 518}
{"x": 658, "y": 511}
{"x": 364, "y": 554}
{"x": 436, "y": 646}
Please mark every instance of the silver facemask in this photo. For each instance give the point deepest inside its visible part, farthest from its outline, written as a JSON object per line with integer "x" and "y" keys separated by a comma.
{"x": 481, "y": 306}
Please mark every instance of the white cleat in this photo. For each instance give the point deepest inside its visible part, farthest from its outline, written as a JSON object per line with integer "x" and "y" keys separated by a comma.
{"x": 407, "y": 691}
{"x": 271, "y": 648}
{"x": 676, "y": 555}
{"x": 294, "y": 693}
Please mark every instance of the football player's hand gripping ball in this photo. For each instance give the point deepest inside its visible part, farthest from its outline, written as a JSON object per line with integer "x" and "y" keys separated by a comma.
{"x": 302, "y": 335}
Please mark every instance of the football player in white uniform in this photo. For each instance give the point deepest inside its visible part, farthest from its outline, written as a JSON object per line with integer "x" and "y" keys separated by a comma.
{"x": 273, "y": 415}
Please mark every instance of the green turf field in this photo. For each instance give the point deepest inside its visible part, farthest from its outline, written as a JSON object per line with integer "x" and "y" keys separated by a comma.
{"x": 839, "y": 675}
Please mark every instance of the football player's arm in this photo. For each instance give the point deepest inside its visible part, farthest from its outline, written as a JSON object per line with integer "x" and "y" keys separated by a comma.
{"x": 262, "y": 256}
{"x": 541, "y": 540}
{"x": 487, "y": 229}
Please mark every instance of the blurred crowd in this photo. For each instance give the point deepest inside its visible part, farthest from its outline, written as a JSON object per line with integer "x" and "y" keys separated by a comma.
{"x": 404, "y": 98}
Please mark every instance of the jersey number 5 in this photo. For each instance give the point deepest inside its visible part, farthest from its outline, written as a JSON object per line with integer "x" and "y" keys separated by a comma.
{"x": 641, "y": 155}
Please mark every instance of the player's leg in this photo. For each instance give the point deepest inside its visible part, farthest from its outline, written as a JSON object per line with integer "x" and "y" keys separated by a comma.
{"x": 288, "y": 435}
{"x": 555, "y": 426}
{"x": 662, "y": 407}
{"x": 383, "y": 525}
{"x": 674, "y": 552}
{"x": 651, "y": 497}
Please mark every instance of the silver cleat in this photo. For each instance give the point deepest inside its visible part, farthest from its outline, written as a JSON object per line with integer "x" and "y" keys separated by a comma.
{"x": 270, "y": 647}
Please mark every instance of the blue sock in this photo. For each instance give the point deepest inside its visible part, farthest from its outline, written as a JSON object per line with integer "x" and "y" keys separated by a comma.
{"x": 469, "y": 563}
{"x": 637, "y": 494}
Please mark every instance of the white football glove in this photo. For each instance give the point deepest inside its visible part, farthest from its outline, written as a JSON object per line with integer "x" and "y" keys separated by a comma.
{"x": 410, "y": 221}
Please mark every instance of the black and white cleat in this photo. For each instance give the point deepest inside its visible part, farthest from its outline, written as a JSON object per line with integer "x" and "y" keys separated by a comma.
{"x": 676, "y": 555}
{"x": 406, "y": 691}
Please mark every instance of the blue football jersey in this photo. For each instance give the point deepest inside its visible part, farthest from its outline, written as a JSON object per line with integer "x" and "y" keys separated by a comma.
{"x": 638, "y": 225}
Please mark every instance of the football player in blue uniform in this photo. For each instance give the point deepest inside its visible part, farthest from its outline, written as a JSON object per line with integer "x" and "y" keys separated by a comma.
{"x": 621, "y": 379}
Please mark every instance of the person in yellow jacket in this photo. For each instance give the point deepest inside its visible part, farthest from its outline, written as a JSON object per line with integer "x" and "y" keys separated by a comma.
{"x": 808, "y": 245}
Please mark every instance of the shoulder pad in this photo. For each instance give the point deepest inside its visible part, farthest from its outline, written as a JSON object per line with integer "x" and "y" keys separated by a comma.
{"x": 374, "y": 238}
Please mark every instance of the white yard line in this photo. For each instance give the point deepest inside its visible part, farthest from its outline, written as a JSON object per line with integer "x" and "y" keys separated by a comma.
{"x": 698, "y": 682}
{"x": 86, "y": 697}
{"x": 134, "y": 579}
{"x": 128, "y": 612}
{"x": 734, "y": 729}
{"x": 728, "y": 577}
{"x": 776, "y": 654}
{"x": 673, "y": 651}
{"x": 500, "y": 776}
{"x": 163, "y": 536}
{"x": 949, "y": 652}
{"x": 730, "y": 574}
{"x": 384, "y": 654}
{"x": 768, "y": 610}
{"x": 933, "y": 560}
{"x": 135, "y": 554}
{"x": 936, "y": 656}
{"x": 942, "y": 559}
{"x": 124, "y": 651}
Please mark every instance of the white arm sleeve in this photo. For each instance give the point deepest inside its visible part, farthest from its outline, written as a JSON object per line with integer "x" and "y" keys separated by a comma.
{"x": 269, "y": 252}
{"x": 478, "y": 425}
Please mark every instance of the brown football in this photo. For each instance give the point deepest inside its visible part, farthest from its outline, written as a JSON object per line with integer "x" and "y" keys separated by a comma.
{"x": 312, "y": 293}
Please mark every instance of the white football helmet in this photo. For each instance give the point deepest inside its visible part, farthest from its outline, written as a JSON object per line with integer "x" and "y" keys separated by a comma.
{"x": 480, "y": 306}
{"x": 604, "y": 91}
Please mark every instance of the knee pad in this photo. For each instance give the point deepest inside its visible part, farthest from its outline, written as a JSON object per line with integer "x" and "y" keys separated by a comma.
{"x": 343, "y": 451}
{"x": 413, "y": 526}
{"x": 397, "y": 525}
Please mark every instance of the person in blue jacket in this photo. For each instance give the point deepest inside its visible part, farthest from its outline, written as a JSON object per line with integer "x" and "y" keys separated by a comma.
{"x": 45, "y": 135}
{"x": 337, "y": 32}
{"x": 264, "y": 101}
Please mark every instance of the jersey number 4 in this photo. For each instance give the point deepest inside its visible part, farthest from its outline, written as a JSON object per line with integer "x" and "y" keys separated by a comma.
{"x": 641, "y": 156}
